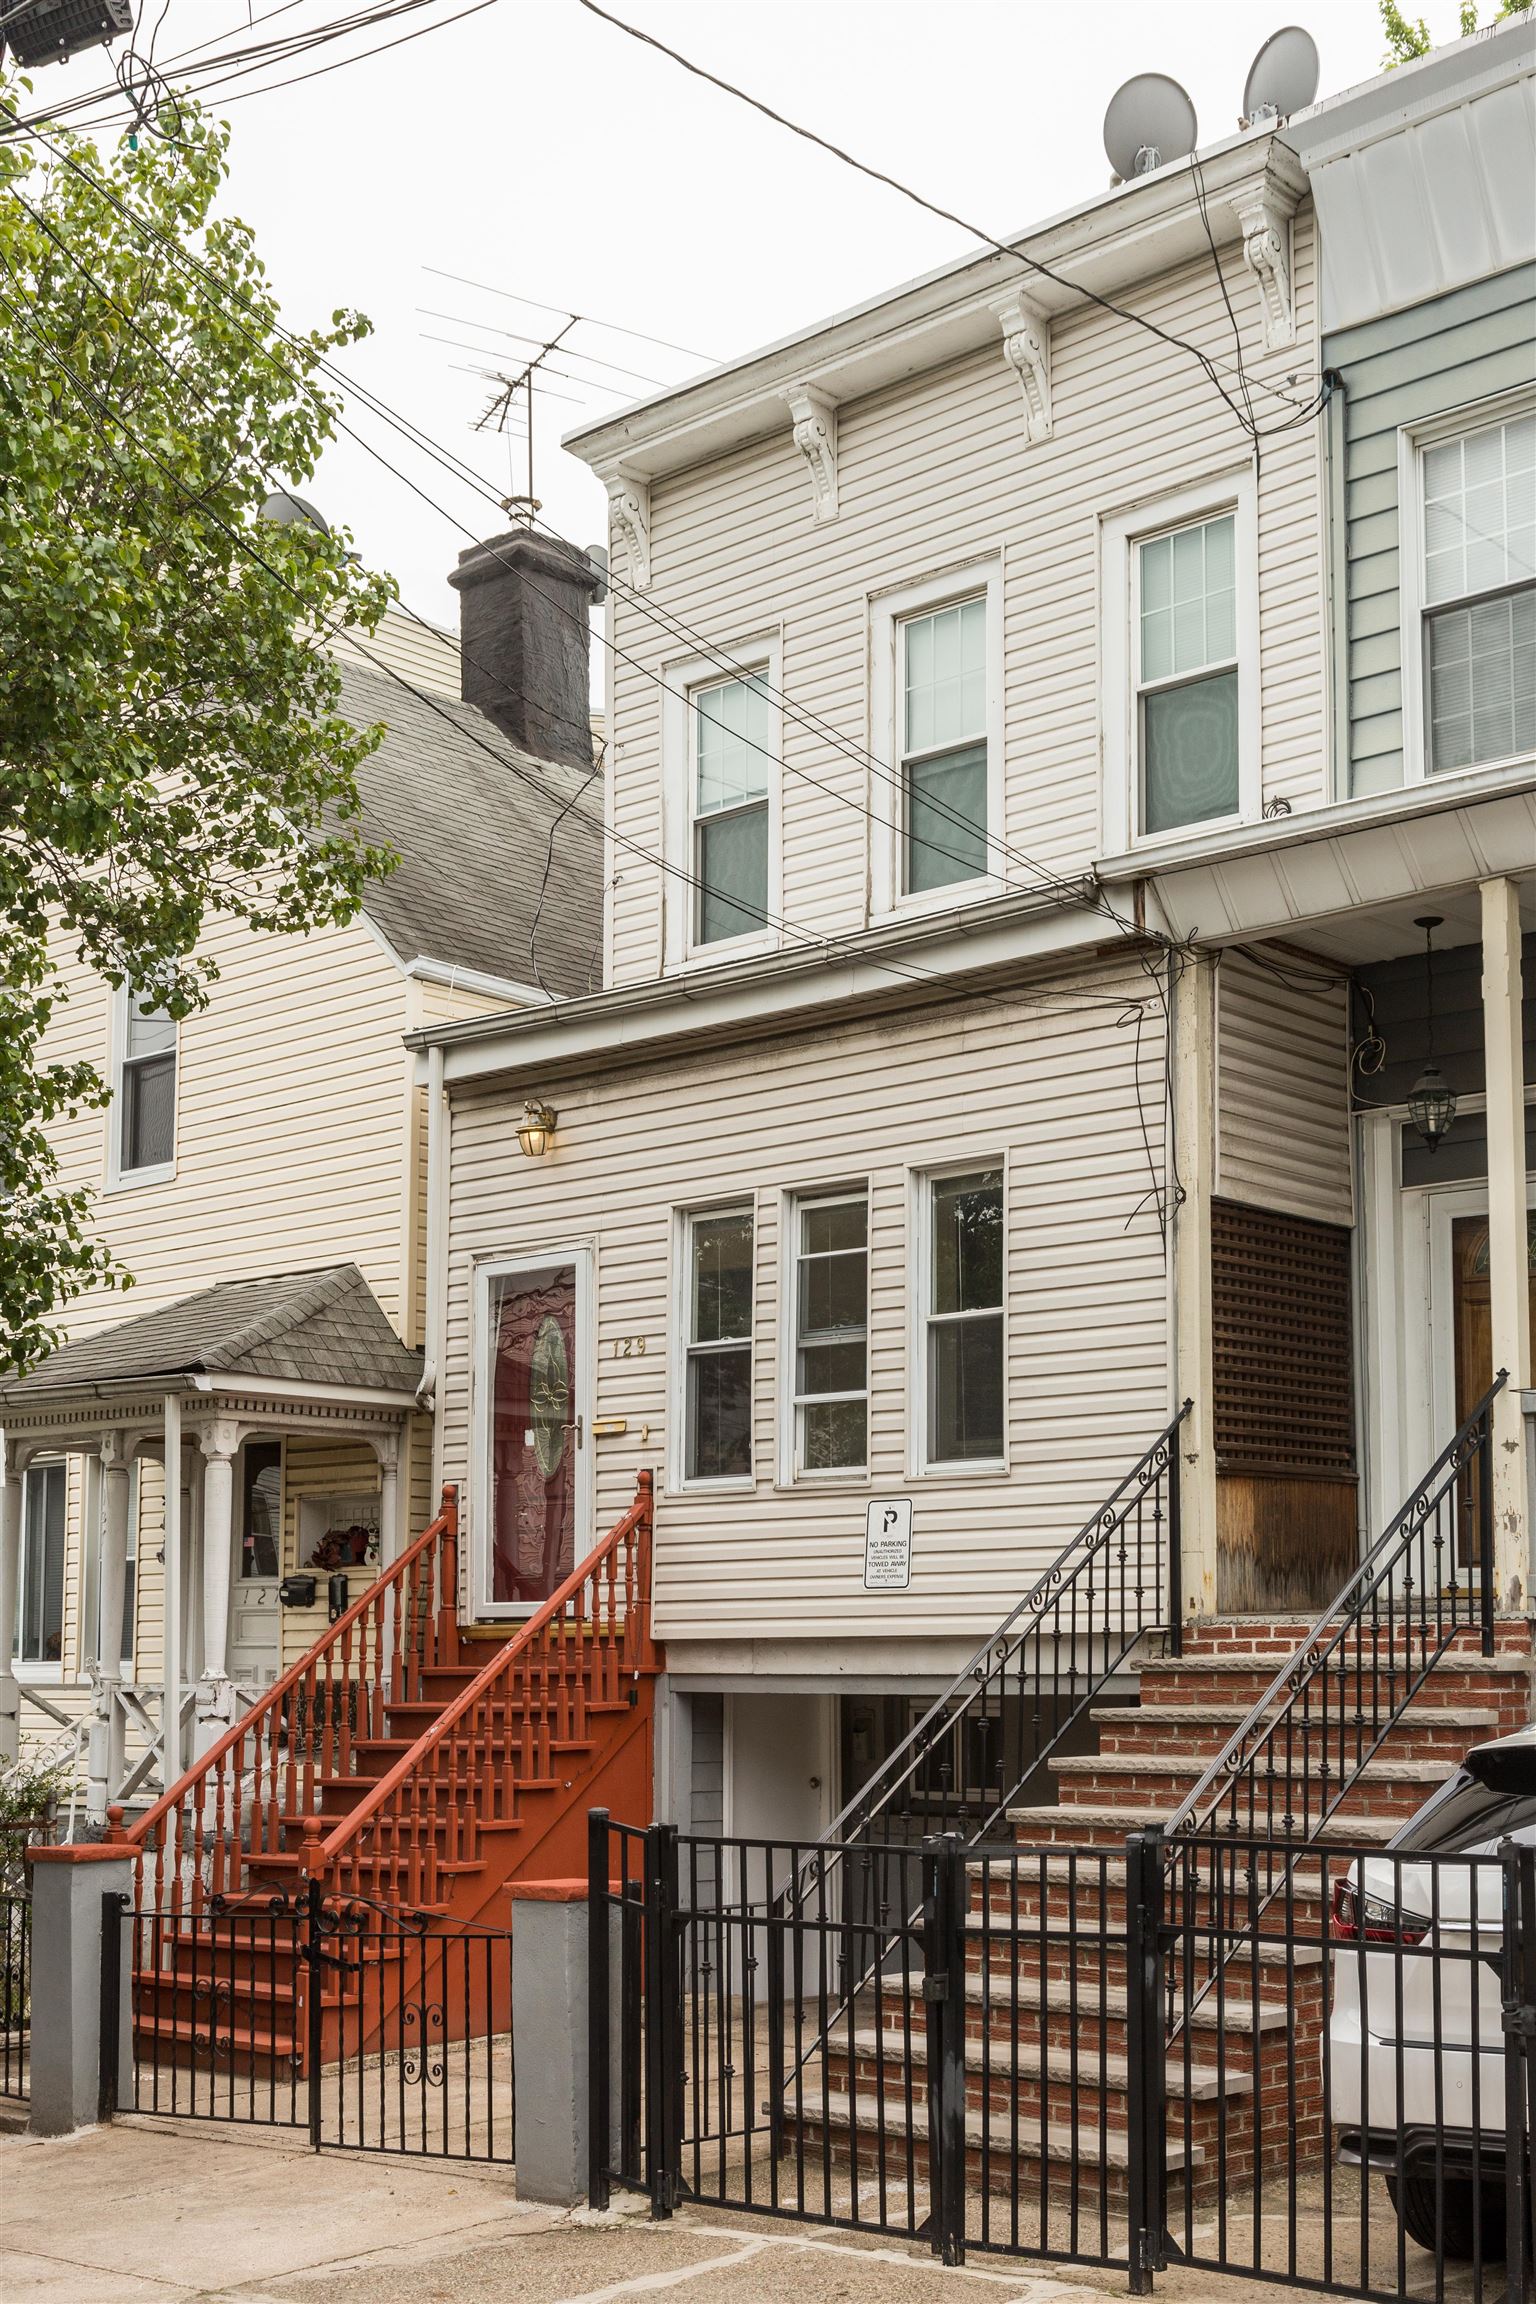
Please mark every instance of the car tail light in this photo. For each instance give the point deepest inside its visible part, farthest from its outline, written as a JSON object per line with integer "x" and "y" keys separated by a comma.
{"x": 1360, "y": 1919}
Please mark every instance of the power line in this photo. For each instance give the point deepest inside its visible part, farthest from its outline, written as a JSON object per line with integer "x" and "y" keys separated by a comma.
{"x": 947, "y": 215}
{"x": 612, "y": 326}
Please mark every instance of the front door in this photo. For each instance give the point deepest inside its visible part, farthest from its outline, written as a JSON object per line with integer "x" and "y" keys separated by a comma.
{"x": 254, "y": 1616}
{"x": 535, "y": 1449}
{"x": 1463, "y": 1325}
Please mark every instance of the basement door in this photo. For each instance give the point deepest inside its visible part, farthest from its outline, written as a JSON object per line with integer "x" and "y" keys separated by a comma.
{"x": 534, "y": 1449}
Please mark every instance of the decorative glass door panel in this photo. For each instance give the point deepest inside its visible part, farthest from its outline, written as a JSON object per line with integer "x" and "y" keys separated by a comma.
{"x": 536, "y": 1434}
{"x": 1472, "y": 1314}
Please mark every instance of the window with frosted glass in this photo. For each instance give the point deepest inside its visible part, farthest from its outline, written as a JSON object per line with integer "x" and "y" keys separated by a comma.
{"x": 732, "y": 751}
{"x": 40, "y": 1600}
{"x": 718, "y": 1405}
{"x": 965, "y": 1318}
{"x": 832, "y": 1334}
{"x": 1187, "y": 675}
{"x": 944, "y": 746}
{"x": 147, "y": 1089}
{"x": 1480, "y": 595}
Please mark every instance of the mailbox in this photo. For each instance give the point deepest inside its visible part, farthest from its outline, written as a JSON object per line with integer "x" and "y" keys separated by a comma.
{"x": 297, "y": 1591}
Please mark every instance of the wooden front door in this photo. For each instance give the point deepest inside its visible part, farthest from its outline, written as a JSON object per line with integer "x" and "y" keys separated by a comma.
{"x": 1472, "y": 1326}
{"x": 536, "y": 1439}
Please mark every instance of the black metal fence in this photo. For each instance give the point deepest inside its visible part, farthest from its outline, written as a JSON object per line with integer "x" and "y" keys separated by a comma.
{"x": 15, "y": 1978}
{"x": 364, "y": 2027}
{"x": 1310, "y": 2067}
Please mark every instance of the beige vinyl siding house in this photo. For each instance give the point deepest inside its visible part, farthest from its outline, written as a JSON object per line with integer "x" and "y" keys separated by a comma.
{"x": 293, "y": 1141}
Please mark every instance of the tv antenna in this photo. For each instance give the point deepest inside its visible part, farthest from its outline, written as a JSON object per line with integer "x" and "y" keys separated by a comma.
{"x": 1150, "y": 121}
{"x": 1282, "y": 78}
{"x": 498, "y": 412}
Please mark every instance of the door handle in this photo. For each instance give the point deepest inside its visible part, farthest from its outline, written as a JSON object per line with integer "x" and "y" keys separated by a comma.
{"x": 575, "y": 1425}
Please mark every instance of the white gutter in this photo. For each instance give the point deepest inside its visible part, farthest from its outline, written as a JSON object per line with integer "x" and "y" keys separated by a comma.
{"x": 457, "y": 979}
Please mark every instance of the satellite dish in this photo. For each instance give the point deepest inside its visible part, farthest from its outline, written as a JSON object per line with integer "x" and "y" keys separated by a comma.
{"x": 286, "y": 510}
{"x": 1282, "y": 78}
{"x": 598, "y": 555}
{"x": 1149, "y": 122}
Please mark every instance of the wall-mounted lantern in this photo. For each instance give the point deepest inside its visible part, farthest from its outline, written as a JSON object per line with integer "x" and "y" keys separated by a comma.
{"x": 536, "y": 1129}
{"x": 1431, "y": 1099}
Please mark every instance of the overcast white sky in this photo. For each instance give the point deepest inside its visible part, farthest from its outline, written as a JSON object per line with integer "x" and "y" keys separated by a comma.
{"x": 535, "y": 148}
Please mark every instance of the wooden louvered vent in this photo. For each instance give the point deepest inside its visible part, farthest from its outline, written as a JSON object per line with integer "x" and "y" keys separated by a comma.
{"x": 1284, "y": 1399}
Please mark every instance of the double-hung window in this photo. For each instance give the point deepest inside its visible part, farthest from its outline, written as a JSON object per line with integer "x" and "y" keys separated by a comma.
{"x": 1478, "y": 592}
{"x": 731, "y": 728}
{"x": 717, "y": 1404}
{"x": 942, "y": 709}
{"x": 40, "y": 1600}
{"x": 1187, "y": 675}
{"x": 144, "y": 1108}
{"x": 831, "y": 1334}
{"x": 962, "y": 1342}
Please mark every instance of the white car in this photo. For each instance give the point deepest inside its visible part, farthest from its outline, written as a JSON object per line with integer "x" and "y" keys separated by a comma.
{"x": 1416, "y": 2035}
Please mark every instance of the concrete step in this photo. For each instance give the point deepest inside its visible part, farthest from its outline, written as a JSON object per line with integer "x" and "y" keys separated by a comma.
{"x": 1085, "y": 1825}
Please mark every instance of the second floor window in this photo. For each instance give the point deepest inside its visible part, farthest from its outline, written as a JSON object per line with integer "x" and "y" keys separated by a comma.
{"x": 717, "y": 1408}
{"x": 732, "y": 740}
{"x": 1186, "y": 675}
{"x": 942, "y": 708}
{"x": 1479, "y": 595}
{"x": 145, "y": 1104}
{"x": 831, "y": 1372}
{"x": 40, "y": 1609}
{"x": 963, "y": 1318}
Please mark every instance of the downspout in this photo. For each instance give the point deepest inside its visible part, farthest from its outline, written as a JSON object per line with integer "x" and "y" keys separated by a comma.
{"x": 437, "y": 1217}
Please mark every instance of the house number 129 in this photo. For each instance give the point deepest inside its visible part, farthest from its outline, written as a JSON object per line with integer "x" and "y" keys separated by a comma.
{"x": 629, "y": 1347}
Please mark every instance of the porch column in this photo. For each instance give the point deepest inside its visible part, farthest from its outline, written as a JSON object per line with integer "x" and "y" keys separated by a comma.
{"x": 215, "y": 1690}
{"x": 387, "y": 1451}
{"x": 1194, "y": 1149}
{"x": 104, "y": 1767}
{"x": 173, "y": 1663}
{"x": 10, "y": 1586}
{"x": 1508, "y": 1265}
{"x": 194, "y": 1576}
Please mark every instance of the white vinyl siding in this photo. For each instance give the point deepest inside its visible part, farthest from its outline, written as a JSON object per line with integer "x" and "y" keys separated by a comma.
{"x": 1053, "y": 1096}
{"x": 1282, "y": 1088}
{"x": 936, "y": 475}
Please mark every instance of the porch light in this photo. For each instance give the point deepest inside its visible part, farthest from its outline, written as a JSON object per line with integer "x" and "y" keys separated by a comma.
{"x": 536, "y": 1129}
{"x": 1431, "y": 1099}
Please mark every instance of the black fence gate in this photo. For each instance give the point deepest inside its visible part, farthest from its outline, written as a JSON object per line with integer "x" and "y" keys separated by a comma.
{"x": 15, "y": 1962}
{"x": 1305, "y": 2066}
{"x": 360, "y": 2025}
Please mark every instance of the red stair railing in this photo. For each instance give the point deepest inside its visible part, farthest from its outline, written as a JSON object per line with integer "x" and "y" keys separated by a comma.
{"x": 503, "y": 1733}
{"x": 240, "y": 1801}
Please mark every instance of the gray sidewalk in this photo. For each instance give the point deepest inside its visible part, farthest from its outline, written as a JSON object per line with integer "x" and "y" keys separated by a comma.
{"x": 161, "y": 2212}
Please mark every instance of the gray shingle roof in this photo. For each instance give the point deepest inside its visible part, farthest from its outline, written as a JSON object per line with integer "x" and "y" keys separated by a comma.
{"x": 472, "y": 817}
{"x": 322, "y": 1327}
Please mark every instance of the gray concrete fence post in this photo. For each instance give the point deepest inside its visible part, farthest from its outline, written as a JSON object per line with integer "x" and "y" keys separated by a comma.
{"x": 68, "y": 1884}
{"x": 550, "y": 2061}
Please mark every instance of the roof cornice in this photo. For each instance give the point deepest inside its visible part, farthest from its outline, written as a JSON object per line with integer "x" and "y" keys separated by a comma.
{"x": 1108, "y": 244}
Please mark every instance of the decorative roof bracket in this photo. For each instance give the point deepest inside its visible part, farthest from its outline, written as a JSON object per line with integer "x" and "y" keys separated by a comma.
{"x": 1264, "y": 210}
{"x": 629, "y": 505}
{"x": 1027, "y": 350}
{"x": 815, "y": 435}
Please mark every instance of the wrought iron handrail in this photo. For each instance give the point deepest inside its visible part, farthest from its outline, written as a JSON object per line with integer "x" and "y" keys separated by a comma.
{"x": 242, "y": 1798}
{"x": 1342, "y": 1690}
{"x": 1089, "y": 1628}
{"x": 504, "y": 1729}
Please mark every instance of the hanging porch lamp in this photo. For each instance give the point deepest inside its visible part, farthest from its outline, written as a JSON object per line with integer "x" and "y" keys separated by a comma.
{"x": 1431, "y": 1099}
{"x": 536, "y": 1129}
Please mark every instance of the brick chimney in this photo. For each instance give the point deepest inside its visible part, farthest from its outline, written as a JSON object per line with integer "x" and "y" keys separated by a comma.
{"x": 523, "y": 603}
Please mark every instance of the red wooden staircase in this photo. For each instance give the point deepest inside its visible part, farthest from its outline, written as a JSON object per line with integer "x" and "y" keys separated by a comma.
{"x": 404, "y": 1777}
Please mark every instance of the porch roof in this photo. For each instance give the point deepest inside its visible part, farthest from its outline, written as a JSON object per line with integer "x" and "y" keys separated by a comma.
{"x": 315, "y": 1328}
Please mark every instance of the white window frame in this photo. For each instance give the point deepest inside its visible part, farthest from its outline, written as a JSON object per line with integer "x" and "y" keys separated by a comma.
{"x": 683, "y": 1220}
{"x": 119, "y": 1178}
{"x": 1122, "y": 535}
{"x": 1412, "y": 441}
{"x": 759, "y": 657}
{"x": 42, "y": 1669}
{"x": 486, "y": 1270}
{"x": 920, "y": 1466}
{"x": 888, "y": 611}
{"x": 791, "y": 1206}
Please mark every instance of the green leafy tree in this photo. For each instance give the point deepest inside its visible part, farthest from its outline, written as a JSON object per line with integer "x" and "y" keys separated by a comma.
{"x": 1408, "y": 37}
{"x": 171, "y": 745}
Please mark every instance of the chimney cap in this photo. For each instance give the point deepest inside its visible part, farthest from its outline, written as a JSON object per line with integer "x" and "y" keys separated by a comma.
{"x": 520, "y": 552}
